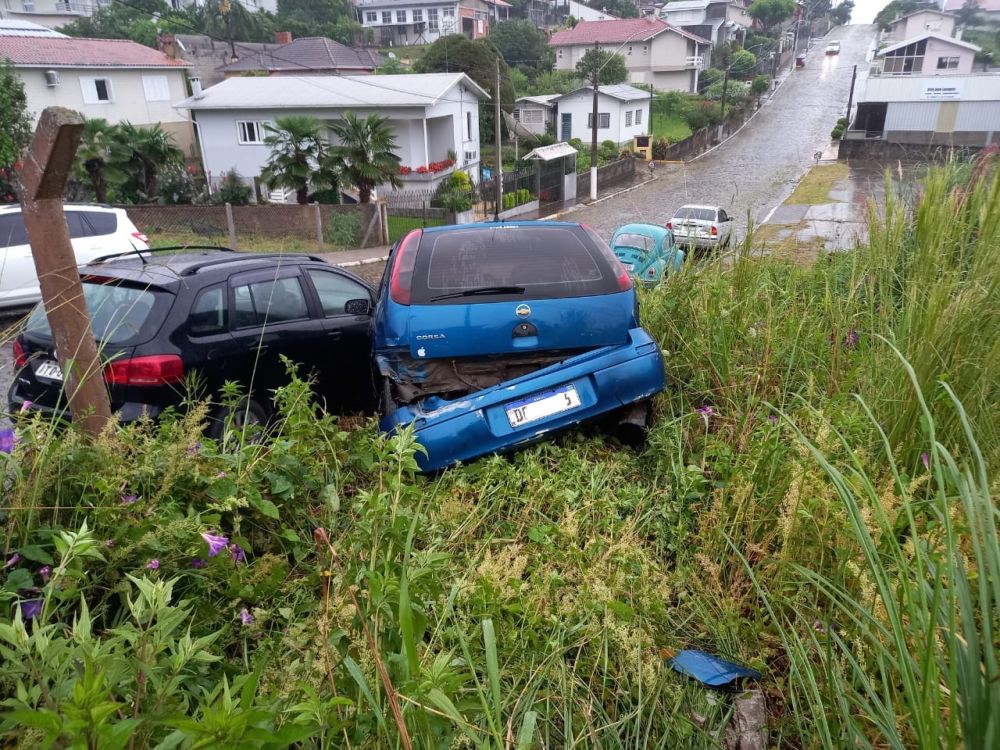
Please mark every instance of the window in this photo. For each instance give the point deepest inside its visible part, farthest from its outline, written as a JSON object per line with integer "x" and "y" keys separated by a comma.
{"x": 603, "y": 120}
{"x": 101, "y": 222}
{"x": 432, "y": 19}
{"x": 96, "y": 90}
{"x": 723, "y": 216}
{"x": 471, "y": 156}
{"x": 208, "y": 314}
{"x": 156, "y": 87}
{"x": 947, "y": 63}
{"x": 270, "y": 301}
{"x": 517, "y": 115}
{"x": 12, "y": 231}
{"x": 638, "y": 117}
{"x": 468, "y": 126}
{"x": 532, "y": 117}
{"x": 250, "y": 132}
{"x": 400, "y": 16}
{"x": 371, "y": 16}
{"x": 418, "y": 16}
{"x": 906, "y": 60}
{"x": 448, "y": 12}
{"x": 628, "y": 118}
{"x": 118, "y": 314}
{"x": 334, "y": 291}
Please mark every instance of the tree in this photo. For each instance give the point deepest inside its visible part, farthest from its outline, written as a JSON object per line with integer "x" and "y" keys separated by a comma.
{"x": 366, "y": 155}
{"x": 967, "y": 14}
{"x": 147, "y": 150}
{"x": 100, "y": 157}
{"x": 617, "y": 8}
{"x": 742, "y": 64}
{"x": 296, "y": 150}
{"x": 523, "y": 46}
{"x": 759, "y": 86}
{"x": 842, "y": 13}
{"x": 555, "y": 82}
{"x": 898, "y": 8}
{"x": 770, "y": 13}
{"x": 611, "y": 67}
{"x": 16, "y": 131}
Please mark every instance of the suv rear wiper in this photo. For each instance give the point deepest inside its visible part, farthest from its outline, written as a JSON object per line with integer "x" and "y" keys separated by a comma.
{"x": 480, "y": 290}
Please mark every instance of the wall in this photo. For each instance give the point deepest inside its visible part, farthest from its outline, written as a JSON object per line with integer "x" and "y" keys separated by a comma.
{"x": 581, "y": 106}
{"x": 919, "y": 23}
{"x": 937, "y": 48}
{"x": 609, "y": 174}
{"x": 974, "y": 87}
{"x": 662, "y": 61}
{"x": 877, "y": 149}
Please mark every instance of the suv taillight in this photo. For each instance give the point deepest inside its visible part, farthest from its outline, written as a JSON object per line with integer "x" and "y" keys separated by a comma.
{"x": 141, "y": 237}
{"x": 19, "y": 359}
{"x": 156, "y": 369}
{"x": 715, "y": 231}
{"x": 402, "y": 268}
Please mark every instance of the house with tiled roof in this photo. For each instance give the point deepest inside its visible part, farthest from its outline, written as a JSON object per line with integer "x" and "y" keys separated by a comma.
{"x": 307, "y": 56}
{"x": 115, "y": 79}
{"x": 656, "y": 53}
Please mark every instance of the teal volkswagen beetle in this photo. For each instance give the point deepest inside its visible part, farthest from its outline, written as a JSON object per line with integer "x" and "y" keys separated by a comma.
{"x": 647, "y": 251}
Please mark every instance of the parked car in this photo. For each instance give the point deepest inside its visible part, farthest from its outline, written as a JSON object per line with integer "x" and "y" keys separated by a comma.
{"x": 491, "y": 336}
{"x": 833, "y": 48}
{"x": 217, "y": 314}
{"x": 647, "y": 251}
{"x": 701, "y": 227}
{"x": 94, "y": 231}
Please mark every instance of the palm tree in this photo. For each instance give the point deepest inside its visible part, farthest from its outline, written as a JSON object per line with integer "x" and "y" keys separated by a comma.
{"x": 296, "y": 150}
{"x": 366, "y": 154}
{"x": 150, "y": 150}
{"x": 99, "y": 154}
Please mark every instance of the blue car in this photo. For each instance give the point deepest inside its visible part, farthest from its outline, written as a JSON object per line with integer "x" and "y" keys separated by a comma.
{"x": 647, "y": 251}
{"x": 491, "y": 336}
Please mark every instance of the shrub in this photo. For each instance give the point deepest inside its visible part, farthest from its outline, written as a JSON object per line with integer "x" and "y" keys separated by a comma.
{"x": 660, "y": 146}
{"x": 233, "y": 190}
{"x": 839, "y": 128}
{"x": 343, "y": 228}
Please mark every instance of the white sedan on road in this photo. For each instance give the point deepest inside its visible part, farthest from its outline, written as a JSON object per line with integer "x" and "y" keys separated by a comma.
{"x": 701, "y": 227}
{"x": 833, "y": 48}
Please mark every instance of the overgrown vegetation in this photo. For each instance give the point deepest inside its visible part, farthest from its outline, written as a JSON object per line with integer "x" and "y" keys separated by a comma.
{"x": 816, "y": 499}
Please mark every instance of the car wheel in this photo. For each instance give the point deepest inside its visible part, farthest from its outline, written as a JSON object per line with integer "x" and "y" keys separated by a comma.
{"x": 630, "y": 423}
{"x": 248, "y": 418}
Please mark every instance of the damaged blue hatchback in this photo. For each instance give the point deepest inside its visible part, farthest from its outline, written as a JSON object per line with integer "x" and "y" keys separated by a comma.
{"x": 490, "y": 336}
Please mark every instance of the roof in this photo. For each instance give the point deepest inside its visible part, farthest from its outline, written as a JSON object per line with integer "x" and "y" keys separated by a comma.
{"x": 72, "y": 52}
{"x": 621, "y": 91}
{"x": 987, "y": 5}
{"x": 929, "y": 35}
{"x": 207, "y": 56}
{"x": 617, "y": 32}
{"x": 679, "y": 5}
{"x": 15, "y": 27}
{"x": 322, "y": 92}
{"x": 548, "y": 153}
{"x": 935, "y": 11}
{"x": 307, "y": 53}
{"x": 654, "y": 230}
{"x": 545, "y": 101}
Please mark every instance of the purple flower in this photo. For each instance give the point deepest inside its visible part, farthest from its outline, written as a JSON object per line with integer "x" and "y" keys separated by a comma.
{"x": 772, "y": 418}
{"x": 7, "y": 440}
{"x": 215, "y": 543}
{"x": 819, "y": 627}
{"x": 12, "y": 561}
{"x": 851, "y": 339}
{"x": 197, "y": 563}
{"x": 26, "y": 405}
{"x": 245, "y": 617}
{"x": 239, "y": 555}
{"x": 705, "y": 411}
{"x": 110, "y": 543}
{"x": 925, "y": 460}
{"x": 31, "y": 608}
{"x": 193, "y": 450}
{"x": 153, "y": 564}
{"x": 129, "y": 499}
{"x": 220, "y": 475}
{"x": 45, "y": 571}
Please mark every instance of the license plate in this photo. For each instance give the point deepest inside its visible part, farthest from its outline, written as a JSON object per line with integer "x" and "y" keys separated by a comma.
{"x": 543, "y": 405}
{"x": 49, "y": 369}
{"x": 628, "y": 266}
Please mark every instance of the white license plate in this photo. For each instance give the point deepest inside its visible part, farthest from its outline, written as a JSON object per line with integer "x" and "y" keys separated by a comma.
{"x": 544, "y": 405}
{"x": 628, "y": 266}
{"x": 49, "y": 369}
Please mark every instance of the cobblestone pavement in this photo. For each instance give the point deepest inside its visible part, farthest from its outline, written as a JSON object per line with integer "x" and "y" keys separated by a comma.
{"x": 756, "y": 169}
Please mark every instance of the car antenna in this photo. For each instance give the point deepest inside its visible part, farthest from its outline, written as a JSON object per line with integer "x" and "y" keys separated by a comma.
{"x": 138, "y": 252}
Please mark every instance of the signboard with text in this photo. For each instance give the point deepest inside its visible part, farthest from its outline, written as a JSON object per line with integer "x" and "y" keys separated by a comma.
{"x": 939, "y": 93}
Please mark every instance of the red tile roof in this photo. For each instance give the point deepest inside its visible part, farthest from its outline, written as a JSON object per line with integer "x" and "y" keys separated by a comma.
{"x": 617, "y": 31}
{"x": 72, "y": 52}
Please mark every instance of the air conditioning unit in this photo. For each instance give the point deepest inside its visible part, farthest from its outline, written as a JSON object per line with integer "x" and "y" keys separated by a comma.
{"x": 51, "y": 78}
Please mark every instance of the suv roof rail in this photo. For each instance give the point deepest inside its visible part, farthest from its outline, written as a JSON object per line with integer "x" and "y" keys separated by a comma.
{"x": 194, "y": 268}
{"x": 165, "y": 248}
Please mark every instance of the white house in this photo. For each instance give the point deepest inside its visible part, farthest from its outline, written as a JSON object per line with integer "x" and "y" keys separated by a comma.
{"x": 50, "y": 13}
{"x": 914, "y": 24}
{"x": 655, "y": 52}
{"x": 398, "y": 23}
{"x": 622, "y": 113}
{"x": 535, "y": 113}
{"x": 114, "y": 79}
{"x": 927, "y": 54}
{"x": 434, "y": 117}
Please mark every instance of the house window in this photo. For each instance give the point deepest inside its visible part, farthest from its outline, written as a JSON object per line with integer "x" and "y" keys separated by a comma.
{"x": 638, "y": 117}
{"x": 250, "y": 132}
{"x": 418, "y": 16}
{"x": 371, "y": 16}
{"x": 432, "y": 19}
{"x": 947, "y": 63}
{"x": 400, "y": 16}
{"x": 97, "y": 90}
{"x": 471, "y": 156}
{"x": 603, "y": 120}
{"x": 387, "y": 17}
{"x": 531, "y": 117}
{"x": 628, "y": 118}
{"x": 156, "y": 88}
{"x": 448, "y": 12}
{"x": 517, "y": 115}
{"x": 468, "y": 126}
{"x": 906, "y": 60}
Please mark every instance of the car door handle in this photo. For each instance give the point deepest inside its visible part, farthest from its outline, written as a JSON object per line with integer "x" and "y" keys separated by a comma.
{"x": 333, "y": 335}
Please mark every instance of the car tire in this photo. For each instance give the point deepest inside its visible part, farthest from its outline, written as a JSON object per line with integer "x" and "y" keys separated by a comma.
{"x": 249, "y": 415}
{"x": 631, "y": 423}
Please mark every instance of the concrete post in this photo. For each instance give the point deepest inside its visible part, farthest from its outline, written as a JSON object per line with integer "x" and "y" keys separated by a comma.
{"x": 232, "y": 227}
{"x": 319, "y": 227}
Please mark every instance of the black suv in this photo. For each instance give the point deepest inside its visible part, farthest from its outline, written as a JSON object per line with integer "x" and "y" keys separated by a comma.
{"x": 207, "y": 316}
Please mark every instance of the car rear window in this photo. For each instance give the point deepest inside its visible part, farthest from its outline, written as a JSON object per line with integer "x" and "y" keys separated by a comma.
{"x": 80, "y": 223}
{"x": 639, "y": 242}
{"x": 102, "y": 222}
{"x": 12, "y": 231}
{"x": 547, "y": 261}
{"x": 119, "y": 314}
{"x": 696, "y": 214}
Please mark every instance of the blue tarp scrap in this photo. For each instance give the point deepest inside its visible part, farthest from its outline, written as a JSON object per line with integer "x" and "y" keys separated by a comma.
{"x": 711, "y": 670}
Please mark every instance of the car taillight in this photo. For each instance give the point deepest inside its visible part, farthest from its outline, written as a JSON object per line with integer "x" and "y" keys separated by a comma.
{"x": 156, "y": 369}
{"x": 141, "y": 237}
{"x": 651, "y": 273}
{"x": 402, "y": 268}
{"x": 624, "y": 280}
{"x": 715, "y": 231}
{"x": 19, "y": 359}
{"x": 670, "y": 225}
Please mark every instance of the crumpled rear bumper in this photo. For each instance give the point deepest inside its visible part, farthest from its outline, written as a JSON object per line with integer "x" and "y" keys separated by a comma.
{"x": 605, "y": 379}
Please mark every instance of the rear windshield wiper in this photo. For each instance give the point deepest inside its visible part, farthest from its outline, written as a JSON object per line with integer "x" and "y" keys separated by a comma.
{"x": 480, "y": 290}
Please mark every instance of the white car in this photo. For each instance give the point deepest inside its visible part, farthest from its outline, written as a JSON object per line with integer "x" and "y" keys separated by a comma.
{"x": 704, "y": 227}
{"x": 94, "y": 231}
{"x": 833, "y": 48}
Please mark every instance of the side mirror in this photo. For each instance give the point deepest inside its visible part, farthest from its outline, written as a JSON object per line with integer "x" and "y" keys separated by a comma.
{"x": 358, "y": 306}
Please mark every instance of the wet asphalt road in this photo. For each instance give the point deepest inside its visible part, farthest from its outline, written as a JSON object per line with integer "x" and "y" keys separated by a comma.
{"x": 755, "y": 170}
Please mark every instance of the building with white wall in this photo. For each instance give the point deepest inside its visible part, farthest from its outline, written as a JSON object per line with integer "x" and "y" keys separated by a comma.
{"x": 398, "y": 23}
{"x": 434, "y": 118}
{"x": 50, "y": 13}
{"x": 622, "y": 113}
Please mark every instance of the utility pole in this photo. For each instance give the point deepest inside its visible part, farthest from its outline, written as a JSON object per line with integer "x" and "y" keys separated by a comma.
{"x": 593, "y": 124}
{"x": 850, "y": 98}
{"x": 498, "y": 175}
